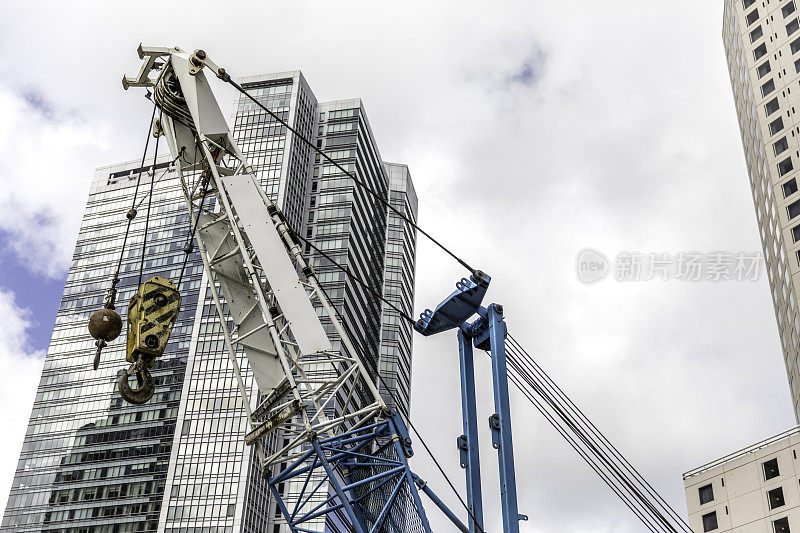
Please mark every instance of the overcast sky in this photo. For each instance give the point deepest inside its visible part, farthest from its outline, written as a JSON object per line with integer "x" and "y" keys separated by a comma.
{"x": 532, "y": 130}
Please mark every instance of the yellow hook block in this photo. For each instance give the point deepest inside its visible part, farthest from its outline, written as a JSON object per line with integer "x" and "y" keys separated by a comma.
{"x": 152, "y": 313}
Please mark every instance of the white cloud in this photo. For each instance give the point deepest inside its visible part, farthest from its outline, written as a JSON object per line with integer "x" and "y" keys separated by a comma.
{"x": 46, "y": 170}
{"x": 21, "y": 367}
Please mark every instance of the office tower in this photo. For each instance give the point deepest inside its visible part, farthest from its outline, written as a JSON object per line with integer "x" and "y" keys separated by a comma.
{"x": 752, "y": 490}
{"x": 91, "y": 461}
{"x": 762, "y": 41}
{"x": 398, "y": 288}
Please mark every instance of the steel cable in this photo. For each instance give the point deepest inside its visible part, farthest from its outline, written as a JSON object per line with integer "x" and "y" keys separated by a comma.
{"x": 551, "y": 419}
{"x": 610, "y": 464}
{"x": 149, "y": 207}
{"x": 226, "y": 77}
{"x": 112, "y": 292}
{"x": 599, "y": 434}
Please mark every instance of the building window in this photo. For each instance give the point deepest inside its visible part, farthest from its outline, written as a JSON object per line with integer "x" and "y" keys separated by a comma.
{"x": 789, "y": 188}
{"x": 756, "y": 34}
{"x": 706, "y": 494}
{"x": 776, "y": 126}
{"x": 710, "y": 521}
{"x": 781, "y": 525}
{"x": 767, "y": 88}
{"x": 788, "y": 9}
{"x": 764, "y": 69}
{"x": 775, "y": 497}
{"x": 796, "y": 233}
{"x": 792, "y": 27}
{"x": 780, "y": 146}
{"x": 771, "y": 467}
{"x": 752, "y": 17}
{"x": 794, "y": 210}
{"x": 771, "y": 106}
{"x": 760, "y": 51}
{"x": 747, "y": 3}
{"x": 785, "y": 166}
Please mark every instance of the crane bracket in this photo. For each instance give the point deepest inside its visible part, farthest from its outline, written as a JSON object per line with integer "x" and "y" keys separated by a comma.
{"x": 454, "y": 310}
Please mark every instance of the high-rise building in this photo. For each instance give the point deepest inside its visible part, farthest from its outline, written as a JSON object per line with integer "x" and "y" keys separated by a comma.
{"x": 398, "y": 288}
{"x": 92, "y": 463}
{"x": 756, "y": 489}
{"x": 762, "y": 44}
{"x": 89, "y": 459}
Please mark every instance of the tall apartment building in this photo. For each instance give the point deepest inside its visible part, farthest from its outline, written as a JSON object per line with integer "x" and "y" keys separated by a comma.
{"x": 756, "y": 489}
{"x": 762, "y": 44}
{"x": 90, "y": 462}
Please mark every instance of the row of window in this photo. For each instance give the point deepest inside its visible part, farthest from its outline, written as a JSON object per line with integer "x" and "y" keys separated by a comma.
{"x": 710, "y": 523}
{"x": 775, "y": 499}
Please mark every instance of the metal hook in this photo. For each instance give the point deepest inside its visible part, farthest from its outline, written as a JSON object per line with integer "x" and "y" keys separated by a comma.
{"x": 146, "y": 388}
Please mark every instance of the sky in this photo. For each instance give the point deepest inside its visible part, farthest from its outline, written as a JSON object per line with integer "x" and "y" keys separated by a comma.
{"x": 532, "y": 131}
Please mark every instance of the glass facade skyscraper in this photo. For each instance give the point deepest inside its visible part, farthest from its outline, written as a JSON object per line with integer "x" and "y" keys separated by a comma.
{"x": 91, "y": 462}
{"x": 398, "y": 288}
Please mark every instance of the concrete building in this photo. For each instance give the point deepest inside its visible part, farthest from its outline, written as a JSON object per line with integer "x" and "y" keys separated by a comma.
{"x": 754, "y": 490}
{"x": 762, "y": 41}
{"x": 90, "y": 462}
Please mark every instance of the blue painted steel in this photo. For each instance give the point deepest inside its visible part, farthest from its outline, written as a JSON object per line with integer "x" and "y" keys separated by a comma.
{"x": 361, "y": 473}
{"x": 441, "y": 505}
{"x": 385, "y": 511}
{"x": 505, "y": 450}
{"x": 456, "y": 308}
{"x": 400, "y": 429}
{"x": 281, "y": 505}
{"x": 468, "y": 442}
{"x": 343, "y": 499}
{"x": 488, "y": 332}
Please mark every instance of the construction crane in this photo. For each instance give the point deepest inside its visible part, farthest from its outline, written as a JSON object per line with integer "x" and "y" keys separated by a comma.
{"x": 319, "y": 423}
{"x": 323, "y": 435}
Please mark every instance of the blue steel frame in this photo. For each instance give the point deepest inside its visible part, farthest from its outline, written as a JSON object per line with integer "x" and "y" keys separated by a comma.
{"x": 341, "y": 460}
{"x": 491, "y": 325}
{"x": 338, "y": 460}
{"x": 487, "y": 332}
{"x": 468, "y": 442}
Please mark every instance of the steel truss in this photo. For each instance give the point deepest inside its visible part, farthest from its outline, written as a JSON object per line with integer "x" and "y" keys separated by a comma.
{"x": 320, "y": 424}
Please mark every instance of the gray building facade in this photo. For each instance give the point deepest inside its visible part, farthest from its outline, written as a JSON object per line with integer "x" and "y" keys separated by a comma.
{"x": 762, "y": 46}
{"x": 92, "y": 463}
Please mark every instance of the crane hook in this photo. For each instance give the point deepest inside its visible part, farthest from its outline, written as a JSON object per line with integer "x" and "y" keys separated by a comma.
{"x": 146, "y": 385}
